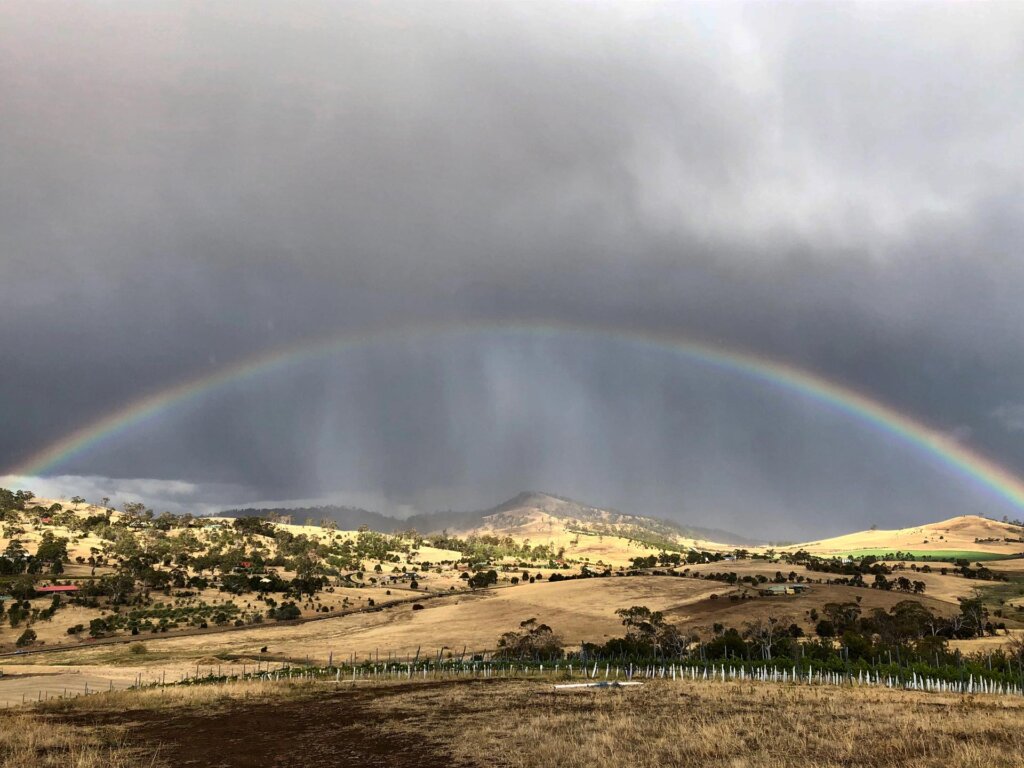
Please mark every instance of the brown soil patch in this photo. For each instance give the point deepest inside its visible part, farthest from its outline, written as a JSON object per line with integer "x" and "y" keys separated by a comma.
{"x": 338, "y": 728}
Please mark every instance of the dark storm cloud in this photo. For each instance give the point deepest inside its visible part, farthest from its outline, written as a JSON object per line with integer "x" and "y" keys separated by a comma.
{"x": 836, "y": 186}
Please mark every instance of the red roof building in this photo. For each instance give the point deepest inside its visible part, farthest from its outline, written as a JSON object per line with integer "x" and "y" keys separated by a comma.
{"x": 59, "y": 588}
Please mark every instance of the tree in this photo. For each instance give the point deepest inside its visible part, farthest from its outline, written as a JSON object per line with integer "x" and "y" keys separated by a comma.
{"x": 97, "y": 627}
{"x": 763, "y": 633}
{"x": 23, "y": 589}
{"x": 640, "y": 620}
{"x": 52, "y": 549}
{"x": 971, "y": 621}
{"x": 647, "y": 631}
{"x": 857, "y": 646}
{"x": 842, "y": 615}
{"x": 482, "y": 579}
{"x": 727, "y": 645}
{"x": 27, "y": 638}
{"x": 133, "y": 509}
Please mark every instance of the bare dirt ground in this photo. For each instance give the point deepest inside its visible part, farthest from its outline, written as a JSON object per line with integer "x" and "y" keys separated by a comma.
{"x": 339, "y": 728}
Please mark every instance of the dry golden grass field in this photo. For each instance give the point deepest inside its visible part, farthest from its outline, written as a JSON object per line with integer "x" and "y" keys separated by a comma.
{"x": 516, "y": 724}
{"x": 580, "y": 611}
{"x": 968, "y": 533}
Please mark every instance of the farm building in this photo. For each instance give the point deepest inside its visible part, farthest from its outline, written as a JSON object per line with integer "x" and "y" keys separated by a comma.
{"x": 784, "y": 589}
{"x": 57, "y": 588}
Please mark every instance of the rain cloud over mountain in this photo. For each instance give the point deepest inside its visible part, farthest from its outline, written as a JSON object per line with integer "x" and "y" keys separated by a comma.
{"x": 187, "y": 185}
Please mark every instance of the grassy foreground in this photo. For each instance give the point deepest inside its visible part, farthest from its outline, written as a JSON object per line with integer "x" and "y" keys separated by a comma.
{"x": 517, "y": 723}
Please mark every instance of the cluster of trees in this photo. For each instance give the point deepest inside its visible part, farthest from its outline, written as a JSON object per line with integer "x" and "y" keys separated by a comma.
{"x": 533, "y": 642}
{"x": 286, "y": 611}
{"x": 150, "y": 554}
{"x": 647, "y": 634}
{"x": 480, "y": 579}
{"x": 21, "y": 610}
{"x": 13, "y": 501}
{"x": 907, "y": 620}
{"x": 864, "y": 566}
{"x": 160, "y": 618}
{"x": 909, "y": 632}
{"x": 670, "y": 559}
{"x": 981, "y": 572}
{"x": 487, "y": 548}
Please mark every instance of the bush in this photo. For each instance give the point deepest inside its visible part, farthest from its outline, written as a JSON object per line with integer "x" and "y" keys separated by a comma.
{"x": 137, "y": 648}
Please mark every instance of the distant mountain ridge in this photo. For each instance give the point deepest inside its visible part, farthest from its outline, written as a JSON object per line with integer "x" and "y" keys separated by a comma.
{"x": 506, "y": 514}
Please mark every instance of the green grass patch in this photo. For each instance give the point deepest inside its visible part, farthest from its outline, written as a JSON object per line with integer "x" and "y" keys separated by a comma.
{"x": 926, "y": 554}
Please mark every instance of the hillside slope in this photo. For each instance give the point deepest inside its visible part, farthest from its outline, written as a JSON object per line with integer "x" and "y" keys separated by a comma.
{"x": 584, "y": 533}
{"x": 969, "y": 533}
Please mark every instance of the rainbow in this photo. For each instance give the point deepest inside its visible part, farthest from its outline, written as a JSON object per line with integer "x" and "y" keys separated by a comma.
{"x": 953, "y": 456}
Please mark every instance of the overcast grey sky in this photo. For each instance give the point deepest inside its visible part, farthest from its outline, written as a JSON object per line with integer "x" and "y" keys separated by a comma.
{"x": 837, "y": 186}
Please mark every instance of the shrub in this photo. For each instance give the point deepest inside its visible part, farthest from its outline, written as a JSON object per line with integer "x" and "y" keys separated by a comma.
{"x": 137, "y": 649}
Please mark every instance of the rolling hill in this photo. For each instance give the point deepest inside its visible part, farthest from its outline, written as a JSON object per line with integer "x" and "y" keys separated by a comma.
{"x": 529, "y": 514}
{"x": 967, "y": 536}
